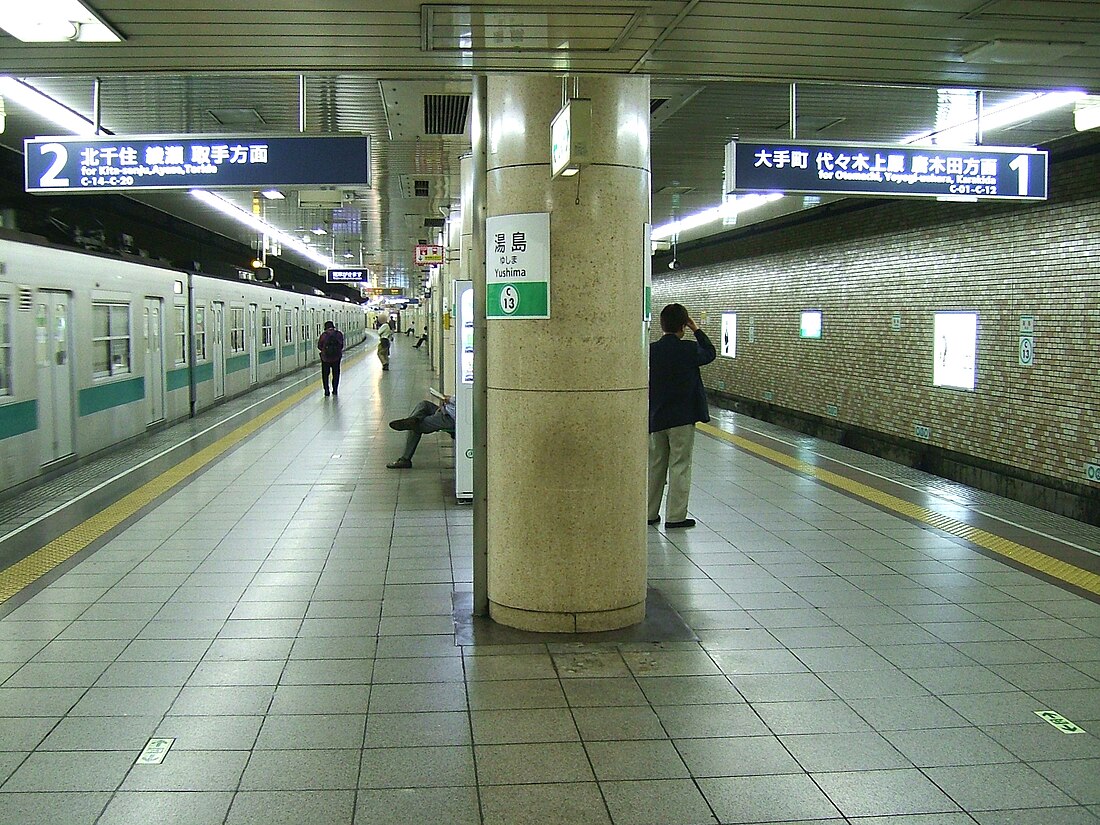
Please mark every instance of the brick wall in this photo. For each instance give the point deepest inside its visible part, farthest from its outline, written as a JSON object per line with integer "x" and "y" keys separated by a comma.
{"x": 866, "y": 264}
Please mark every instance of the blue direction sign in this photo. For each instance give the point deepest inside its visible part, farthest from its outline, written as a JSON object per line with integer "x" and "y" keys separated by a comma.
{"x": 119, "y": 163}
{"x": 988, "y": 173}
{"x": 347, "y": 275}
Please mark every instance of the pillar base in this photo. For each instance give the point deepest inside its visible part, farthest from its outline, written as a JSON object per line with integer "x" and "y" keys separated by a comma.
{"x": 545, "y": 622}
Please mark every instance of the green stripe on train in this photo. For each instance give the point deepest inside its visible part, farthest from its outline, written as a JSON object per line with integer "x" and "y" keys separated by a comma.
{"x": 106, "y": 396}
{"x": 267, "y": 356}
{"x": 288, "y": 351}
{"x": 236, "y": 363}
{"x": 177, "y": 379}
{"x": 16, "y": 419}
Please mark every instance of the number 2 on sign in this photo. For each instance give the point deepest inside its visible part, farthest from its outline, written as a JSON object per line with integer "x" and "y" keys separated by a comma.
{"x": 509, "y": 299}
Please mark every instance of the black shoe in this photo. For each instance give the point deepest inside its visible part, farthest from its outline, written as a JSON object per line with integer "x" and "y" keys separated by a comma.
{"x": 385, "y": 367}
{"x": 404, "y": 423}
{"x": 688, "y": 522}
{"x": 326, "y": 393}
{"x": 334, "y": 392}
{"x": 400, "y": 464}
{"x": 656, "y": 520}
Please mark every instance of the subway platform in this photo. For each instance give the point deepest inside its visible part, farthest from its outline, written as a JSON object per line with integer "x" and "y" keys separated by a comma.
{"x": 266, "y": 629}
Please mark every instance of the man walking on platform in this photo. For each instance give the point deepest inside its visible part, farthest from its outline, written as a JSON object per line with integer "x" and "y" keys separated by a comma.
{"x": 331, "y": 347}
{"x": 676, "y": 401}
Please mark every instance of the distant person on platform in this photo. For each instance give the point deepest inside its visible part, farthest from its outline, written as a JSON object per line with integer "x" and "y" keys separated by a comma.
{"x": 425, "y": 418}
{"x": 384, "y": 335}
{"x": 331, "y": 346}
{"x": 421, "y": 339}
{"x": 676, "y": 401}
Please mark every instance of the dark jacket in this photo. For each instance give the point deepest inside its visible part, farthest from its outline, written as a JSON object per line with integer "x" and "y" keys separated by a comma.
{"x": 676, "y": 394}
{"x": 330, "y": 333}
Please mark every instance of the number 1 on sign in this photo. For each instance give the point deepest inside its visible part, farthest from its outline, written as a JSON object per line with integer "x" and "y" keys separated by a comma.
{"x": 509, "y": 299}
{"x": 1022, "y": 170}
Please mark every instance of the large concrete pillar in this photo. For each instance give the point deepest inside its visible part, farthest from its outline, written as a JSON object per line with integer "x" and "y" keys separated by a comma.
{"x": 567, "y": 397}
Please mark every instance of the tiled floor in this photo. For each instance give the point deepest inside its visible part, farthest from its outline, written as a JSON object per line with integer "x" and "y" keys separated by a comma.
{"x": 286, "y": 618}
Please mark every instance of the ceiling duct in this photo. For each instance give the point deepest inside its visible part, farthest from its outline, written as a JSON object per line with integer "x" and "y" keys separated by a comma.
{"x": 445, "y": 114}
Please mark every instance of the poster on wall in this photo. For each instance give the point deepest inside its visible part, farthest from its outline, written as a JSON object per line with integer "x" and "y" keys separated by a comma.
{"x": 956, "y": 347}
{"x": 729, "y": 334}
{"x": 810, "y": 324}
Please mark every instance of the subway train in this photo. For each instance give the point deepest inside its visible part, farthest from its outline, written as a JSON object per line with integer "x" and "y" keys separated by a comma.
{"x": 95, "y": 350}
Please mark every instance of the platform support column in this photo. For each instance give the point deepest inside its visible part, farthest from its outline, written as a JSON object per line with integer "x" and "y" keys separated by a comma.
{"x": 567, "y": 395}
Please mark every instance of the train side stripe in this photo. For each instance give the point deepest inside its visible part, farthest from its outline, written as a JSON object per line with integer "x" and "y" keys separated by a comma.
{"x": 18, "y": 418}
{"x": 1021, "y": 554}
{"x": 112, "y": 394}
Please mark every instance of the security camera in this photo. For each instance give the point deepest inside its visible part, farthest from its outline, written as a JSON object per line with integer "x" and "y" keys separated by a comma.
{"x": 674, "y": 264}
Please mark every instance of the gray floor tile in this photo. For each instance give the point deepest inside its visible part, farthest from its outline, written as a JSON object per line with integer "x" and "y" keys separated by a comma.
{"x": 693, "y": 721}
{"x": 102, "y": 733}
{"x": 55, "y": 674}
{"x": 210, "y": 733}
{"x": 689, "y": 690}
{"x": 38, "y": 701}
{"x": 908, "y": 713}
{"x": 1036, "y": 741}
{"x": 767, "y": 799}
{"x": 150, "y": 701}
{"x": 636, "y": 760}
{"x": 736, "y": 756}
{"x": 414, "y": 698}
{"x": 997, "y": 787}
{"x": 24, "y": 733}
{"x": 427, "y": 669}
{"x": 782, "y": 687}
{"x": 9, "y": 761}
{"x": 403, "y": 730}
{"x": 71, "y": 771}
{"x": 301, "y": 770}
{"x": 527, "y": 693}
{"x": 861, "y": 751}
{"x": 499, "y": 727}
{"x": 810, "y": 717}
{"x": 174, "y": 807}
{"x": 321, "y": 699}
{"x": 292, "y": 808}
{"x": 234, "y": 673}
{"x": 184, "y": 770}
{"x": 884, "y": 793}
{"x": 951, "y": 746}
{"x": 595, "y": 664}
{"x": 606, "y": 723}
{"x": 143, "y": 674}
{"x": 530, "y": 666}
{"x": 656, "y": 802}
{"x": 1040, "y": 816}
{"x": 1080, "y": 778}
{"x": 300, "y": 732}
{"x": 532, "y": 763}
{"x": 327, "y": 672}
{"x": 401, "y": 806}
{"x": 67, "y": 808}
{"x": 216, "y": 701}
{"x": 419, "y": 767}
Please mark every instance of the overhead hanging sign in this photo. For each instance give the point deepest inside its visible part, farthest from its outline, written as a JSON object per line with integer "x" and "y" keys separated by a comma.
{"x": 347, "y": 275}
{"x": 983, "y": 172}
{"x": 383, "y": 290}
{"x": 427, "y": 254}
{"x": 517, "y": 266}
{"x": 119, "y": 163}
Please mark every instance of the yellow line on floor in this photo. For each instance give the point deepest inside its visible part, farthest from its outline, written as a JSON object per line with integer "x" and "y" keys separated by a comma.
{"x": 1019, "y": 553}
{"x": 28, "y": 570}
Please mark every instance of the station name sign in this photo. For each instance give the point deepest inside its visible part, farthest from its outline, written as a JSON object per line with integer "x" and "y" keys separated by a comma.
{"x": 119, "y": 163}
{"x": 347, "y": 275}
{"x": 983, "y": 172}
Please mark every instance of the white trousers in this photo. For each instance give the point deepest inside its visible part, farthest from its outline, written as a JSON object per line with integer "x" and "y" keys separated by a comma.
{"x": 670, "y": 455}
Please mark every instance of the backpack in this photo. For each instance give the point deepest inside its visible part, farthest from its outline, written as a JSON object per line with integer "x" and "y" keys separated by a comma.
{"x": 332, "y": 349}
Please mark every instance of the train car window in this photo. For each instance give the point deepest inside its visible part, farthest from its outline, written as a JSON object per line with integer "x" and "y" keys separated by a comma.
{"x": 5, "y": 345}
{"x": 110, "y": 339}
{"x": 236, "y": 329}
{"x": 267, "y": 336}
{"x": 200, "y": 333}
{"x": 288, "y": 331}
{"x": 181, "y": 334}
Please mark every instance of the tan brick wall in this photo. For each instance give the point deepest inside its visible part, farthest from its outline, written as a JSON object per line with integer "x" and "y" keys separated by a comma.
{"x": 915, "y": 258}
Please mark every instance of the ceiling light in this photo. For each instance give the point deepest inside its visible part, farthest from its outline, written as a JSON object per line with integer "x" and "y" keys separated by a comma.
{"x": 44, "y": 106}
{"x": 320, "y": 230}
{"x": 735, "y": 206}
{"x": 273, "y": 195}
{"x": 52, "y": 21}
{"x": 233, "y": 211}
{"x": 998, "y": 117}
{"x": 1086, "y": 114}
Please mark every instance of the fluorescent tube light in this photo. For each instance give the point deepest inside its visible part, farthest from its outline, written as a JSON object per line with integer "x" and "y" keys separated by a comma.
{"x": 997, "y": 117}
{"x": 273, "y": 195}
{"x": 736, "y": 206}
{"x": 55, "y": 21}
{"x": 233, "y": 211}
{"x": 44, "y": 106}
{"x": 1086, "y": 114}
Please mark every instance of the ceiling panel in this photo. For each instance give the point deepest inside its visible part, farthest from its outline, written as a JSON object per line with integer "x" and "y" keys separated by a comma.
{"x": 876, "y": 71}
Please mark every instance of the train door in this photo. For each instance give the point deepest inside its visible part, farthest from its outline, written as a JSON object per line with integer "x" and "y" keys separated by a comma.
{"x": 55, "y": 375}
{"x": 295, "y": 329}
{"x": 154, "y": 360}
{"x": 251, "y": 346}
{"x": 276, "y": 339}
{"x": 217, "y": 346}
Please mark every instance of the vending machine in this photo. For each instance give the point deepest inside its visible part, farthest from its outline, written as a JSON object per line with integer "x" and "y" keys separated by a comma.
{"x": 464, "y": 390}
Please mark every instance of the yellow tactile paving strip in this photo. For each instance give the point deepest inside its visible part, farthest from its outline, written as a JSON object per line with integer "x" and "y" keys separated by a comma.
{"x": 1019, "y": 553}
{"x": 28, "y": 570}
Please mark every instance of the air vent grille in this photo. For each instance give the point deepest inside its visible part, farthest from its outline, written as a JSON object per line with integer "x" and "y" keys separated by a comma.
{"x": 420, "y": 188}
{"x": 445, "y": 114}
